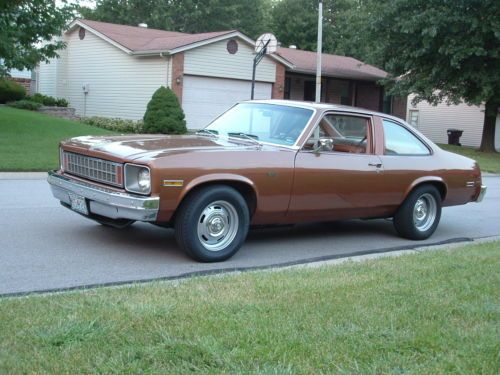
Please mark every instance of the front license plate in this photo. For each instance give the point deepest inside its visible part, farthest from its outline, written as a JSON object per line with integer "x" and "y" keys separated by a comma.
{"x": 78, "y": 204}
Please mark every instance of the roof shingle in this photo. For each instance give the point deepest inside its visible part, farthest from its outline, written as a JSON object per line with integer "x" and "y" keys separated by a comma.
{"x": 145, "y": 39}
{"x": 331, "y": 65}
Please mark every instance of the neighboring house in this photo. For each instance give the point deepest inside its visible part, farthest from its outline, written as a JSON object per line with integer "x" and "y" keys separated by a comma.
{"x": 345, "y": 80}
{"x": 23, "y": 77}
{"x": 112, "y": 70}
{"x": 434, "y": 121}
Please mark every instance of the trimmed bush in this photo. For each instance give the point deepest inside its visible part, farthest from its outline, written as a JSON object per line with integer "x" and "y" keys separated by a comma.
{"x": 25, "y": 104}
{"x": 11, "y": 91}
{"x": 164, "y": 114}
{"x": 115, "y": 124}
{"x": 48, "y": 100}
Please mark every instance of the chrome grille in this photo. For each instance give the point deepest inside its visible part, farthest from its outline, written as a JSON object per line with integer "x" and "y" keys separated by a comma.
{"x": 95, "y": 169}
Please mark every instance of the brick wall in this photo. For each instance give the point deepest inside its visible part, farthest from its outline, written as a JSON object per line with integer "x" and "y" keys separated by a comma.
{"x": 178, "y": 73}
{"x": 399, "y": 107}
{"x": 368, "y": 96}
{"x": 278, "y": 91}
{"x": 25, "y": 82}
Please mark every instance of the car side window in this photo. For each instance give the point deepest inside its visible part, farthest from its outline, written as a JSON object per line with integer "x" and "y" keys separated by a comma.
{"x": 347, "y": 134}
{"x": 400, "y": 141}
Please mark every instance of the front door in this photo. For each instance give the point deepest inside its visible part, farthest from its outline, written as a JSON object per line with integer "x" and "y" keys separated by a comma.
{"x": 342, "y": 178}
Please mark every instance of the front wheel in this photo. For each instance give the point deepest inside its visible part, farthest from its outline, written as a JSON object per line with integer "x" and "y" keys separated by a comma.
{"x": 212, "y": 223}
{"x": 419, "y": 215}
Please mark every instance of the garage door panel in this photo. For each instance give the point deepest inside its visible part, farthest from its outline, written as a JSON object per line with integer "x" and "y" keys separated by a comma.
{"x": 204, "y": 98}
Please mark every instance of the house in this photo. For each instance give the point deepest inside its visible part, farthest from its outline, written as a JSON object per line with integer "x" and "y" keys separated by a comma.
{"x": 434, "y": 121}
{"x": 112, "y": 70}
{"x": 345, "y": 80}
{"x": 22, "y": 77}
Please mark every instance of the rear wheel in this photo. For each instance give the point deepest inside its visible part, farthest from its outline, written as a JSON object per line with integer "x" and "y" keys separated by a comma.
{"x": 419, "y": 215}
{"x": 212, "y": 223}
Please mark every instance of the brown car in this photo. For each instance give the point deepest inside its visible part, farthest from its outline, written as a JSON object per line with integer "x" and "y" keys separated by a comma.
{"x": 266, "y": 162}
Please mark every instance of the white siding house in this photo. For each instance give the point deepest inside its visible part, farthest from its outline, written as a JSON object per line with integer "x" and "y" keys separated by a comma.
{"x": 113, "y": 70}
{"x": 434, "y": 121}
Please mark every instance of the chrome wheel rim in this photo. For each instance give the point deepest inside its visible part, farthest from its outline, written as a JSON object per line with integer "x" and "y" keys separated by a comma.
{"x": 218, "y": 225}
{"x": 424, "y": 212}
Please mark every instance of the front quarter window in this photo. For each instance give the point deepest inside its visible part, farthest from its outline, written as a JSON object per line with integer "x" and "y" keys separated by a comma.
{"x": 270, "y": 123}
{"x": 400, "y": 141}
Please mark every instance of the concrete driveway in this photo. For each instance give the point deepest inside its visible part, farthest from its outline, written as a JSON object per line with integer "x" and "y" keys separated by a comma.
{"x": 44, "y": 246}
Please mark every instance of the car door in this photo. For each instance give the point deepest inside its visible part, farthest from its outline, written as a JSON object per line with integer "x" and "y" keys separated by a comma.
{"x": 342, "y": 181}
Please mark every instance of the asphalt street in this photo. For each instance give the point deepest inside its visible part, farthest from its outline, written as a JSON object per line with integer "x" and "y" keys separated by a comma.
{"x": 44, "y": 246}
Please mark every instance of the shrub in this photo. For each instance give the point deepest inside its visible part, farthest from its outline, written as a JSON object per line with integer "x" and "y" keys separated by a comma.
{"x": 116, "y": 124}
{"x": 49, "y": 100}
{"x": 11, "y": 91}
{"x": 25, "y": 104}
{"x": 164, "y": 114}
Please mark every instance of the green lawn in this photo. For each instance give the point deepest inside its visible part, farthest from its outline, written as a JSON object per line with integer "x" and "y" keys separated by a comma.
{"x": 489, "y": 162}
{"x": 427, "y": 313}
{"x": 29, "y": 140}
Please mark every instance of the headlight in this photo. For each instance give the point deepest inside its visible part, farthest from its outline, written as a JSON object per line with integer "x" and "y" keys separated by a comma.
{"x": 137, "y": 179}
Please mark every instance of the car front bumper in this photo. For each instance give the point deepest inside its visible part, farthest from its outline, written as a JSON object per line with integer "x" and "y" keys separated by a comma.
{"x": 482, "y": 193}
{"x": 103, "y": 201}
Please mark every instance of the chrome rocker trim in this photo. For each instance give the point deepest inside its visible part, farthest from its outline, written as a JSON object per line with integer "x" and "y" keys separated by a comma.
{"x": 105, "y": 202}
{"x": 482, "y": 193}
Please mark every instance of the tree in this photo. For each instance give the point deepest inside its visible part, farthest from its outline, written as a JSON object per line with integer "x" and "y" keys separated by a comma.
{"x": 190, "y": 16}
{"x": 441, "y": 50}
{"x": 28, "y": 28}
{"x": 164, "y": 113}
{"x": 296, "y": 22}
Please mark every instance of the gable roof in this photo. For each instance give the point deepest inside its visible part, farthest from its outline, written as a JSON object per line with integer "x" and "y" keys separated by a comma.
{"x": 145, "y": 41}
{"x": 331, "y": 65}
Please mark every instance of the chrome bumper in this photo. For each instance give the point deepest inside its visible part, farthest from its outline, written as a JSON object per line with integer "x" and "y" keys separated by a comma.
{"x": 105, "y": 202}
{"x": 481, "y": 195}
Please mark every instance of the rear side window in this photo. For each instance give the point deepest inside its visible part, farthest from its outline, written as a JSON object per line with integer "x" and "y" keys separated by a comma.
{"x": 400, "y": 141}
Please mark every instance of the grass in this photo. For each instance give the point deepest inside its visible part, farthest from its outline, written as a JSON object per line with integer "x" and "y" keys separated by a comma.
{"x": 29, "y": 140}
{"x": 488, "y": 161}
{"x": 427, "y": 313}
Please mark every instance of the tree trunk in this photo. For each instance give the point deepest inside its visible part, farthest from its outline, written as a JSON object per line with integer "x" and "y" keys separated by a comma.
{"x": 490, "y": 118}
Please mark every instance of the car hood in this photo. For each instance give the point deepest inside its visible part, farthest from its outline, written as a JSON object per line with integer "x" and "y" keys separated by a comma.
{"x": 132, "y": 147}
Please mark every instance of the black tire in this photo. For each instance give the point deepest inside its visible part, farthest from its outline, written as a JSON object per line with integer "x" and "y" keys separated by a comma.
{"x": 200, "y": 218}
{"x": 410, "y": 221}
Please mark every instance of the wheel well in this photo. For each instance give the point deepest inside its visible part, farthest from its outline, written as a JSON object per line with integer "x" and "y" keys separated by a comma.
{"x": 246, "y": 191}
{"x": 437, "y": 184}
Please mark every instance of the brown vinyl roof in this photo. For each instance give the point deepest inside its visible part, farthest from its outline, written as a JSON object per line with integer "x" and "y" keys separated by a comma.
{"x": 145, "y": 39}
{"x": 331, "y": 65}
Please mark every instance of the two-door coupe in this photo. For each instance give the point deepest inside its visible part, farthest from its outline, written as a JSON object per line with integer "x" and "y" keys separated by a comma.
{"x": 266, "y": 162}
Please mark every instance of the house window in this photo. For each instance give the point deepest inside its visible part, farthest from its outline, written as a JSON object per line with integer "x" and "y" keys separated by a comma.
{"x": 309, "y": 91}
{"x": 288, "y": 87}
{"x": 413, "y": 118}
{"x": 387, "y": 104}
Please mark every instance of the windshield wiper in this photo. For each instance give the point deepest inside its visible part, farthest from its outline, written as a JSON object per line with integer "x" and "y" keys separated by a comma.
{"x": 213, "y": 133}
{"x": 251, "y": 137}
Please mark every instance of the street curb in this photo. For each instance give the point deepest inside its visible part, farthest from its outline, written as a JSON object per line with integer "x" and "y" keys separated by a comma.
{"x": 299, "y": 264}
{"x": 23, "y": 175}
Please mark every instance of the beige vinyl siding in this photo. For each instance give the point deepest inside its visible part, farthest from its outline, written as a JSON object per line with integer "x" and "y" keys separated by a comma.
{"x": 47, "y": 78}
{"x": 213, "y": 60}
{"x": 120, "y": 85}
{"x": 433, "y": 121}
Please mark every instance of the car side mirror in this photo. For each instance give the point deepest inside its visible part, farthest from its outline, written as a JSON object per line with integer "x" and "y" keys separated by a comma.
{"x": 323, "y": 144}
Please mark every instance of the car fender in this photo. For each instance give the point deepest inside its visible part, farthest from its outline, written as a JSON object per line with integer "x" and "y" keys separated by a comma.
{"x": 425, "y": 179}
{"x": 219, "y": 178}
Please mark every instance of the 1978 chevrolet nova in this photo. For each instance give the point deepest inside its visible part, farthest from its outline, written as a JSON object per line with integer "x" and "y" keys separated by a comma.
{"x": 266, "y": 162}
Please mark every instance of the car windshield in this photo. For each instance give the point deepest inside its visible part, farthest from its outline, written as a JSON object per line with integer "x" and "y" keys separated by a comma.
{"x": 271, "y": 123}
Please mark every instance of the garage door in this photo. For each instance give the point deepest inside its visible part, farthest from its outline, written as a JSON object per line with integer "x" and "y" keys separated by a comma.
{"x": 203, "y": 99}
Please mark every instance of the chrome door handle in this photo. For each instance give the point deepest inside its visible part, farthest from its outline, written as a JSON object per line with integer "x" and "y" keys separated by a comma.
{"x": 378, "y": 165}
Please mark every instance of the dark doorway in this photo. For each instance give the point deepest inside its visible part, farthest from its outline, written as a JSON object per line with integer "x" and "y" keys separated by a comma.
{"x": 309, "y": 91}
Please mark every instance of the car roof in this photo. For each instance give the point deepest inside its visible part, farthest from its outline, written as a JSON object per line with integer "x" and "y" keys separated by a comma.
{"x": 325, "y": 107}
